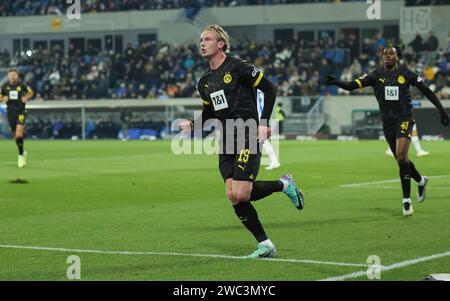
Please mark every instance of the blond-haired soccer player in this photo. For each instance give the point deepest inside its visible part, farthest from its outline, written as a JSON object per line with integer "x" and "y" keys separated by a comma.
{"x": 228, "y": 90}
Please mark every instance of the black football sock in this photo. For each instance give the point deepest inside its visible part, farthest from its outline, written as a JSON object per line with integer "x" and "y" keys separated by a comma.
{"x": 19, "y": 142}
{"x": 414, "y": 172}
{"x": 249, "y": 217}
{"x": 405, "y": 178}
{"x": 261, "y": 189}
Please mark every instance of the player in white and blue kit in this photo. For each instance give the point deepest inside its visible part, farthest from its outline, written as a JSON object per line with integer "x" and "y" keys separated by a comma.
{"x": 267, "y": 146}
{"x": 420, "y": 152}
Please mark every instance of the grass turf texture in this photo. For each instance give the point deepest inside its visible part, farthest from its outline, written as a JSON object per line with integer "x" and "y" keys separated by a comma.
{"x": 138, "y": 196}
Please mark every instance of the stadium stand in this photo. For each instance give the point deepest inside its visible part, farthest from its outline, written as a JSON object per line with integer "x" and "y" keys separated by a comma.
{"x": 158, "y": 70}
{"x": 55, "y": 7}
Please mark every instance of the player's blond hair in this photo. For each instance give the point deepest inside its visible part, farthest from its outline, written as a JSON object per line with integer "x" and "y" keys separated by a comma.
{"x": 221, "y": 35}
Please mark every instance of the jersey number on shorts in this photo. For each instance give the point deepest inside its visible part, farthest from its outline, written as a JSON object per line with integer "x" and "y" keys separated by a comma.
{"x": 21, "y": 118}
{"x": 391, "y": 93}
{"x": 219, "y": 100}
{"x": 243, "y": 156}
{"x": 404, "y": 126}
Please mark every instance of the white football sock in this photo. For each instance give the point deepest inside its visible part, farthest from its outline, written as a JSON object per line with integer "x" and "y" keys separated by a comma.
{"x": 416, "y": 143}
{"x": 267, "y": 242}
{"x": 268, "y": 148}
{"x": 422, "y": 181}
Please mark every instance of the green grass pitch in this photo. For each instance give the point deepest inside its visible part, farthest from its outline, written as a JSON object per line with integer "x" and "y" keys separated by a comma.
{"x": 139, "y": 197}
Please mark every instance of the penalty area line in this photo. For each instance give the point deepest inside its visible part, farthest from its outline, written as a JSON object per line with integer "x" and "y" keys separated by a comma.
{"x": 394, "y": 266}
{"x": 353, "y": 185}
{"x": 306, "y": 261}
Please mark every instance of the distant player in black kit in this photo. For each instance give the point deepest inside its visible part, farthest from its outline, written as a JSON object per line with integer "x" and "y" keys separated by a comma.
{"x": 15, "y": 93}
{"x": 228, "y": 91}
{"x": 391, "y": 87}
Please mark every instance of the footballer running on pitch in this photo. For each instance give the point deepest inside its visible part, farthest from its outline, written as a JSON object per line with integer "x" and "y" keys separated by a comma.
{"x": 228, "y": 91}
{"x": 391, "y": 84}
{"x": 15, "y": 93}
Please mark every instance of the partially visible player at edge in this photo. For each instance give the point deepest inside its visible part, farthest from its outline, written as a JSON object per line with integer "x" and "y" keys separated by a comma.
{"x": 15, "y": 93}
{"x": 234, "y": 83}
{"x": 420, "y": 152}
{"x": 267, "y": 146}
{"x": 391, "y": 87}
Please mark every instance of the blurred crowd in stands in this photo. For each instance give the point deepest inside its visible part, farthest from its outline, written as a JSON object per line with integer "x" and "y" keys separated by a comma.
{"x": 154, "y": 70}
{"x": 425, "y": 2}
{"x": 99, "y": 126}
{"x": 424, "y": 56}
{"x": 58, "y": 7}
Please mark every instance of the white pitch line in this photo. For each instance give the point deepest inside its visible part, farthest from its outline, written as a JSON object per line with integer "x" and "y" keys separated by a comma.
{"x": 392, "y": 187}
{"x": 394, "y": 266}
{"x": 90, "y": 158}
{"x": 385, "y": 181}
{"x": 376, "y": 187}
{"x": 180, "y": 254}
{"x": 367, "y": 183}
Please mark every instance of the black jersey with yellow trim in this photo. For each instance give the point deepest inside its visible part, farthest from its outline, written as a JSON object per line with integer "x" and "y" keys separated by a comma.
{"x": 229, "y": 92}
{"x": 391, "y": 89}
{"x": 15, "y": 92}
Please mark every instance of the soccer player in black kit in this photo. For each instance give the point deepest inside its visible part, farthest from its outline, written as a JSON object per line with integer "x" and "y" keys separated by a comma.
{"x": 15, "y": 93}
{"x": 228, "y": 91}
{"x": 391, "y": 85}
